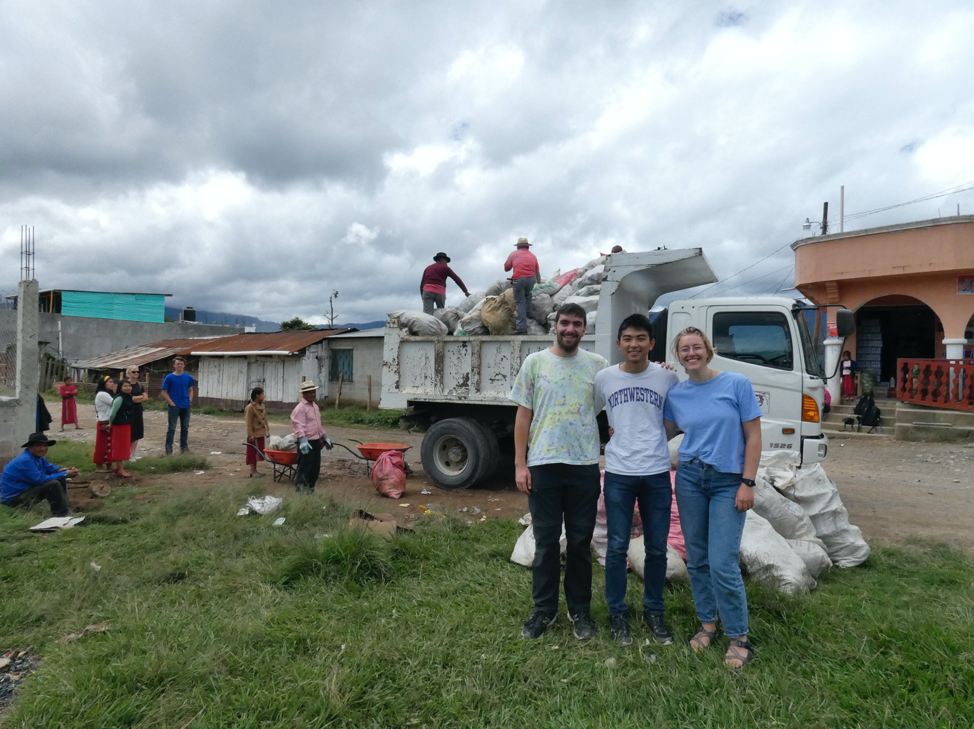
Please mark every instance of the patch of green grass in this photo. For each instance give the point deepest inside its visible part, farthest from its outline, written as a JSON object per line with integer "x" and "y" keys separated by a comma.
{"x": 218, "y": 620}
{"x": 169, "y": 464}
{"x": 357, "y": 415}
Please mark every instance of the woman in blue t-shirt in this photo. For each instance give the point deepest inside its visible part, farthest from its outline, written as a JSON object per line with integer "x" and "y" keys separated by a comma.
{"x": 719, "y": 458}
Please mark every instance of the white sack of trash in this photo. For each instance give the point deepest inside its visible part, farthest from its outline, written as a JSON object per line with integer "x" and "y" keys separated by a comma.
{"x": 797, "y": 529}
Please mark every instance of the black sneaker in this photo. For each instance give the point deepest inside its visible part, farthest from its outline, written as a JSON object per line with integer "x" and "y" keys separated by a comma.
{"x": 619, "y": 629}
{"x": 584, "y": 627}
{"x": 657, "y": 626}
{"x": 536, "y": 625}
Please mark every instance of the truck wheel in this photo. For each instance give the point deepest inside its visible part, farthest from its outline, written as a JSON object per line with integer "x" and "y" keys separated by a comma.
{"x": 454, "y": 452}
{"x": 493, "y": 457}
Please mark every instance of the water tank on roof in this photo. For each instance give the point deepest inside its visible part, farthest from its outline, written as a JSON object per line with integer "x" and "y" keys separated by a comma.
{"x": 189, "y": 314}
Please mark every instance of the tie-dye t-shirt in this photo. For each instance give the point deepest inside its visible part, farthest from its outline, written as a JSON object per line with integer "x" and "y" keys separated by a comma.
{"x": 559, "y": 392}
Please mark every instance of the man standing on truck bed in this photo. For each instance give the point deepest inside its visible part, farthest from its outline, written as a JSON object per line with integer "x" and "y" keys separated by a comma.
{"x": 637, "y": 470}
{"x": 433, "y": 286}
{"x": 556, "y": 461}
{"x": 524, "y": 275}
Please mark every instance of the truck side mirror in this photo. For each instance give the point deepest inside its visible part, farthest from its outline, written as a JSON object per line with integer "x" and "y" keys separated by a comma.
{"x": 845, "y": 322}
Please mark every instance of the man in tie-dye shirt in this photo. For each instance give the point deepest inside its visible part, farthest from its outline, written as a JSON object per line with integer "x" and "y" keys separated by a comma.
{"x": 556, "y": 460}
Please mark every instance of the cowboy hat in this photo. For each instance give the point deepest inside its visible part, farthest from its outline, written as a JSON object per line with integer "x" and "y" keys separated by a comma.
{"x": 308, "y": 386}
{"x": 442, "y": 255}
{"x": 522, "y": 243}
{"x": 38, "y": 438}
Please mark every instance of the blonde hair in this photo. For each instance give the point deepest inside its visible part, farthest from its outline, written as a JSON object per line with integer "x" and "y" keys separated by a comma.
{"x": 687, "y": 332}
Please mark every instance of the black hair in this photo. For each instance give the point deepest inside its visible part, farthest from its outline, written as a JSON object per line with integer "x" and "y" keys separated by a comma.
{"x": 636, "y": 321}
{"x": 572, "y": 309}
{"x": 100, "y": 387}
{"x": 255, "y": 392}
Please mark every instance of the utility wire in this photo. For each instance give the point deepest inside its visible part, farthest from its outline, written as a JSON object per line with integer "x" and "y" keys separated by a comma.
{"x": 741, "y": 271}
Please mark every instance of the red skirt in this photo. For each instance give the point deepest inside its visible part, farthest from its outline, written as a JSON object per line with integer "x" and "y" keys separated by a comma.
{"x": 101, "y": 446}
{"x": 69, "y": 411}
{"x": 121, "y": 442}
{"x": 848, "y": 386}
{"x": 252, "y": 456}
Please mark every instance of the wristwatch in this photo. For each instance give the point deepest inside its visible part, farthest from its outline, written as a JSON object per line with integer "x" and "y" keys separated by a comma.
{"x": 748, "y": 482}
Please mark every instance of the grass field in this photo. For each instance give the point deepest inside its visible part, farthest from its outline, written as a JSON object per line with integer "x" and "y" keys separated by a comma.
{"x": 224, "y": 621}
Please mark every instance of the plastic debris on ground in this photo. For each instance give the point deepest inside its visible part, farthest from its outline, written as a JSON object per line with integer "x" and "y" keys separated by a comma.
{"x": 57, "y": 522}
{"x": 278, "y": 521}
{"x": 262, "y": 505}
{"x": 95, "y": 628}
{"x": 426, "y": 492}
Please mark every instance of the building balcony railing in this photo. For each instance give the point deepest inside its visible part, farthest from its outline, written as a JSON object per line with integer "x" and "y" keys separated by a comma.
{"x": 942, "y": 383}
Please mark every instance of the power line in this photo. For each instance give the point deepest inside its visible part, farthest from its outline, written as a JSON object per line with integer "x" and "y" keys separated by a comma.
{"x": 741, "y": 271}
{"x": 964, "y": 187}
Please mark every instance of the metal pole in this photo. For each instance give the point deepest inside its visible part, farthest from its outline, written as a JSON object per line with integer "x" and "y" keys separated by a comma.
{"x": 842, "y": 209}
{"x": 825, "y": 218}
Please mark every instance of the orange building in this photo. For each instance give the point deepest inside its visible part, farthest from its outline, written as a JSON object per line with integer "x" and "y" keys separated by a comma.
{"x": 911, "y": 287}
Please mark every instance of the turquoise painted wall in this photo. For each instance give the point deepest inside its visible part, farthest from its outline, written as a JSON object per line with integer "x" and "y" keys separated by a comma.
{"x": 107, "y": 305}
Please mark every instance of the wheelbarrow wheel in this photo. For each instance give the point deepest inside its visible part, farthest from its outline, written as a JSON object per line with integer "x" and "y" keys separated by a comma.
{"x": 455, "y": 453}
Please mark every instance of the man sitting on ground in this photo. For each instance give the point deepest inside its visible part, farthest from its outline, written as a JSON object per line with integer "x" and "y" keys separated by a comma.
{"x": 29, "y": 477}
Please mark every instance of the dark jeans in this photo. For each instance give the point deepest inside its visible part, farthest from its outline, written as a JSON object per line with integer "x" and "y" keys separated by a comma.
{"x": 55, "y": 492}
{"x": 654, "y": 497}
{"x": 309, "y": 465}
{"x": 183, "y": 414}
{"x": 429, "y": 298}
{"x": 522, "y": 300}
{"x": 562, "y": 492}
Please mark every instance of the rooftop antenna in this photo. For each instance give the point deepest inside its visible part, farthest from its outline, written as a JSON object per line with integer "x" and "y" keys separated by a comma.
{"x": 26, "y": 252}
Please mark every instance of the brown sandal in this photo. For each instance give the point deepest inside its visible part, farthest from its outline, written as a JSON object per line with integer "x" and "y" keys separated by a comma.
{"x": 697, "y": 641}
{"x": 738, "y": 650}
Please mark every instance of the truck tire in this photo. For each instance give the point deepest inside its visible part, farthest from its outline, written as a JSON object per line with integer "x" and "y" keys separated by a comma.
{"x": 493, "y": 457}
{"x": 454, "y": 453}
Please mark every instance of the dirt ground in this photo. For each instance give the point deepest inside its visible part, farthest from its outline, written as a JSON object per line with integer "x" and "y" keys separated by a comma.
{"x": 893, "y": 490}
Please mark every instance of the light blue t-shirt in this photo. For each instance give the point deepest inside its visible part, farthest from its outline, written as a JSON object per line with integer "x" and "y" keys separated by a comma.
{"x": 559, "y": 392}
{"x": 710, "y": 414}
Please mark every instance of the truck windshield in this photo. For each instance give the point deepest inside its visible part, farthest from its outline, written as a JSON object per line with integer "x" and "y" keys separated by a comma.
{"x": 813, "y": 351}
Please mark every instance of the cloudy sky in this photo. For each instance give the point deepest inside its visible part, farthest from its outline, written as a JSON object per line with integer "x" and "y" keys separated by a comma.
{"x": 251, "y": 157}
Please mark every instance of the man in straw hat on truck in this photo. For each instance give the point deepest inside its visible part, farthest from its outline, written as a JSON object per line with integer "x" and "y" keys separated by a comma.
{"x": 524, "y": 275}
{"x": 306, "y": 424}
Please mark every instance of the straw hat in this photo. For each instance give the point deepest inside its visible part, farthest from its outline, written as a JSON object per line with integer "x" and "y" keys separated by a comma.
{"x": 308, "y": 386}
{"x": 522, "y": 243}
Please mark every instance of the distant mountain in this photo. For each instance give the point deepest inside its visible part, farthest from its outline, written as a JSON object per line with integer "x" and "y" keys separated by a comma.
{"x": 219, "y": 317}
{"x": 366, "y": 325}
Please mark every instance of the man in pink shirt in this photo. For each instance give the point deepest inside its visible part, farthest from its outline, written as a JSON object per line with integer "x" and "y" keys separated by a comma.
{"x": 433, "y": 286}
{"x": 306, "y": 424}
{"x": 524, "y": 275}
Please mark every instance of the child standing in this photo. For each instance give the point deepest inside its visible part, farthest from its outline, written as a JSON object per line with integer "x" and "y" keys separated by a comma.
{"x": 849, "y": 368}
{"x": 257, "y": 429}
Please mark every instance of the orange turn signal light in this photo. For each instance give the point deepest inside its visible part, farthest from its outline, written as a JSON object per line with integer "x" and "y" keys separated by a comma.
{"x": 809, "y": 409}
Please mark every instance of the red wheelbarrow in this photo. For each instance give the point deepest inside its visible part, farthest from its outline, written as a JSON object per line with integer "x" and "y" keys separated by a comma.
{"x": 284, "y": 463}
{"x": 371, "y": 451}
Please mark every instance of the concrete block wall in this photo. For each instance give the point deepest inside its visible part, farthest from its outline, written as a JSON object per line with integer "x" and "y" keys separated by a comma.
{"x": 366, "y": 360}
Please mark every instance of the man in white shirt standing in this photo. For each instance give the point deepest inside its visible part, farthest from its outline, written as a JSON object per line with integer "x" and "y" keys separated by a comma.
{"x": 637, "y": 470}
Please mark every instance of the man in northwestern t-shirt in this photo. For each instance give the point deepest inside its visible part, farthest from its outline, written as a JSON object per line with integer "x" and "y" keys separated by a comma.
{"x": 177, "y": 389}
{"x": 556, "y": 461}
{"x": 637, "y": 470}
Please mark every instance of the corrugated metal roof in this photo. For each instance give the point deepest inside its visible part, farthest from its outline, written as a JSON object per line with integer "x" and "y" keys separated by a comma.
{"x": 251, "y": 342}
{"x": 143, "y": 353}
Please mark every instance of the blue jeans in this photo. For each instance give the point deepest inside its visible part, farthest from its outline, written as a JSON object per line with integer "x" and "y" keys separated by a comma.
{"x": 653, "y": 495}
{"x": 522, "y": 300}
{"x": 569, "y": 493}
{"x": 183, "y": 414}
{"x": 712, "y": 528}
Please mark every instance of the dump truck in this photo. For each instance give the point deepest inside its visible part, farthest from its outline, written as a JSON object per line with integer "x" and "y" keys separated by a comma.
{"x": 456, "y": 388}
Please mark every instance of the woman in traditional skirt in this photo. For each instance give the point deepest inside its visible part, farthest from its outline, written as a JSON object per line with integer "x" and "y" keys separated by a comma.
{"x": 139, "y": 396}
{"x": 104, "y": 395}
{"x": 69, "y": 408}
{"x": 120, "y": 434}
{"x": 257, "y": 429}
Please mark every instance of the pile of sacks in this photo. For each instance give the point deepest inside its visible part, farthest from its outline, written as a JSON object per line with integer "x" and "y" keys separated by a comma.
{"x": 797, "y": 529}
{"x": 492, "y": 311}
